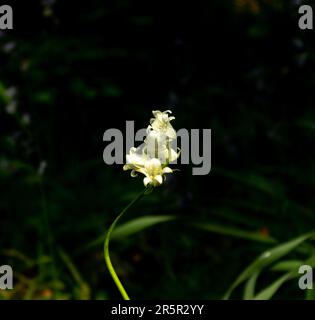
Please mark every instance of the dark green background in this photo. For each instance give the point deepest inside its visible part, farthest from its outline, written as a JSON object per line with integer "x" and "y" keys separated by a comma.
{"x": 241, "y": 68}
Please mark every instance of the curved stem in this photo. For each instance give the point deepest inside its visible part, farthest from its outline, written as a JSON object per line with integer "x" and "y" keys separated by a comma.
{"x": 106, "y": 245}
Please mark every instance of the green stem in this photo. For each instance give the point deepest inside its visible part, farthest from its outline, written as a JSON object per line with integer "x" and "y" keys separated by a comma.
{"x": 106, "y": 245}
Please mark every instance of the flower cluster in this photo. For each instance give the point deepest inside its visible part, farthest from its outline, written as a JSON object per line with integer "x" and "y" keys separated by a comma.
{"x": 152, "y": 158}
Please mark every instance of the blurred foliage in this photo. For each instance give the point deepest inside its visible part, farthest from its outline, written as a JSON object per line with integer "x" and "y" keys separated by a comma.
{"x": 71, "y": 70}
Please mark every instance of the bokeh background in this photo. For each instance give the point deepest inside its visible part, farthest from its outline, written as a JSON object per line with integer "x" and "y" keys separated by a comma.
{"x": 71, "y": 70}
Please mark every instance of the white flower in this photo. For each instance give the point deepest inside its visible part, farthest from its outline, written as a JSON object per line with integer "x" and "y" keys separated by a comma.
{"x": 150, "y": 167}
{"x": 152, "y": 160}
{"x": 154, "y": 172}
{"x": 162, "y": 123}
{"x": 135, "y": 161}
{"x": 158, "y": 145}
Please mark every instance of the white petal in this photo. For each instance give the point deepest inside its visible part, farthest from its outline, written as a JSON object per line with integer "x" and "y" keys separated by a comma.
{"x": 163, "y": 156}
{"x": 153, "y": 165}
{"x": 155, "y": 125}
{"x": 167, "y": 170}
{"x": 147, "y": 180}
{"x": 143, "y": 171}
{"x": 159, "y": 179}
{"x": 156, "y": 113}
{"x": 173, "y": 155}
{"x": 135, "y": 159}
{"x": 170, "y": 132}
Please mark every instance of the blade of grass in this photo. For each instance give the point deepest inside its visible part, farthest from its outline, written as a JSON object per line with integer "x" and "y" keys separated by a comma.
{"x": 132, "y": 227}
{"x": 249, "y": 290}
{"x": 268, "y": 292}
{"x": 139, "y": 224}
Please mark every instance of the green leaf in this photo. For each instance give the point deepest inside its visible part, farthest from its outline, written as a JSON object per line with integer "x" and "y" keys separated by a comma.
{"x": 132, "y": 227}
{"x": 266, "y": 259}
{"x": 249, "y": 290}
{"x": 310, "y": 261}
{"x": 269, "y": 291}
{"x": 139, "y": 224}
{"x": 287, "y": 265}
{"x": 234, "y": 232}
